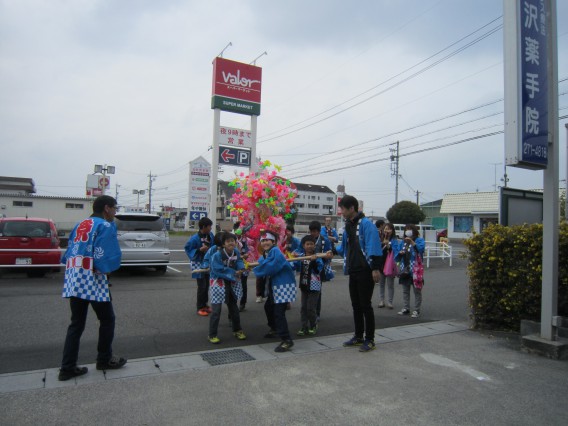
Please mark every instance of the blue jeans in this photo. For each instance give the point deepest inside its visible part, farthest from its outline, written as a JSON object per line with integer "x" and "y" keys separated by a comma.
{"x": 105, "y": 315}
{"x": 276, "y": 316}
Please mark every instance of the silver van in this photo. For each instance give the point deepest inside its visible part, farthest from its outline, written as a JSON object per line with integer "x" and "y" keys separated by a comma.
{"x": 143, "y": 238}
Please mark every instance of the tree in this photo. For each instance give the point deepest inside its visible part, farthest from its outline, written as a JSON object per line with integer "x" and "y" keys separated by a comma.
{"x": 405, "y": 212}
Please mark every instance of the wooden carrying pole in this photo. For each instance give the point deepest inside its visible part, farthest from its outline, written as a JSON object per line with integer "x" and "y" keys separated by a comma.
{"x": 291, "y": 259}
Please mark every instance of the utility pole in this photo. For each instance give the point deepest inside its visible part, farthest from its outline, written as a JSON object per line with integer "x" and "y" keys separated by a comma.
{"x": 151, "y": 178}
{"x": 505, "y": 178}
{"x": 418, "y": 197}
{"x": 495, "y": 175}
{"x": 566, "y": 186}
{"x": 394, "y": 169}
{"x": 116, "y": 192}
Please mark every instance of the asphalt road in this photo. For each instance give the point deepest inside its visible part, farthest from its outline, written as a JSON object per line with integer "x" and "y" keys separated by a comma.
{"x": 156, "y": 313}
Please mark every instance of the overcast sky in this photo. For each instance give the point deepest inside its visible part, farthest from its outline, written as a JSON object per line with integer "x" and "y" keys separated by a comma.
{"x": 128, "y": 83}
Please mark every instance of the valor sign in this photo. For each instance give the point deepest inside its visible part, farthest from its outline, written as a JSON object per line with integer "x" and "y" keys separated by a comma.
{"x": 236, "y": 87}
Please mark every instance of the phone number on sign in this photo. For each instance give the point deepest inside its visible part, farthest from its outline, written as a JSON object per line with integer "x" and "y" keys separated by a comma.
{"x": 538, "y": 151}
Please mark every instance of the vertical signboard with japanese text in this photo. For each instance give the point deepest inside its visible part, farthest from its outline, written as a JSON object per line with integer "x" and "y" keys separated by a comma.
{"x": 236, "y": 87}
{"x": 526, "y": 83}
{"x": 199, "y": 187}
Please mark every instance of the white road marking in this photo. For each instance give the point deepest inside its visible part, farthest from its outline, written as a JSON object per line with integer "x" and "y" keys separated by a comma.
{"x": 174, "y": 269}
{"x": 446, "y": 362}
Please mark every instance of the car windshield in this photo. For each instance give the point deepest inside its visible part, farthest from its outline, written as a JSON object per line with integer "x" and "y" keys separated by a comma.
{"x": 29, "y": 229}
{"x": 139, "y": 223}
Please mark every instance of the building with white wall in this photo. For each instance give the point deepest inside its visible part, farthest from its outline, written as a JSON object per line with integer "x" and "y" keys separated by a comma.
{"x": 470, "y": 212}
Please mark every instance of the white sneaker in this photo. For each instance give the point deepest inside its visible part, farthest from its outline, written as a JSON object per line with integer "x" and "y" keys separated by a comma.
{"x": 415, "y": 314}
{"x": 259, "y": 299}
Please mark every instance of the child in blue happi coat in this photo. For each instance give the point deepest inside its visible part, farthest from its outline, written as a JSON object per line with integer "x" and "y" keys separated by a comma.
{"x": 281, "y": 285}
{"x": 196, "y": 248}
{"x": 226, "y": 267}
{"x": 310, "y": 285}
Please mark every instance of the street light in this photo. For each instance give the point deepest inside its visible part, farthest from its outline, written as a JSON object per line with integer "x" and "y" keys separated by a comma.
{"x": 138, "y": 192}
{"x": 104, "y": 170}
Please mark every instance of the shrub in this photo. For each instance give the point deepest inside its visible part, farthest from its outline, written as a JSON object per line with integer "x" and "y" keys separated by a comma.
{"x": 505, "y": 275}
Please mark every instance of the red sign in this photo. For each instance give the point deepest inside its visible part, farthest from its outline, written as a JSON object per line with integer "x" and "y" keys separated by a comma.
{"x": 236, "y": 80}
{"x": 104, "y": 182}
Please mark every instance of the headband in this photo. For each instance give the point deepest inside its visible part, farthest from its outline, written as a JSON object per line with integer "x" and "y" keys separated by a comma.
{"x": 267, "y": 236}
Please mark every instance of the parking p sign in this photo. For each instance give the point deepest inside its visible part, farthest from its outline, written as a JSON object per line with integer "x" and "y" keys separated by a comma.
{"x": 197, "y": 215}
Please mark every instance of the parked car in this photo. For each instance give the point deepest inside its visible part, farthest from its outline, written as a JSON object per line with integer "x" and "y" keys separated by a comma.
{"x": 38, "y": 235}
{"x": 143, "y": 238}
{"x": 441, "y": 233}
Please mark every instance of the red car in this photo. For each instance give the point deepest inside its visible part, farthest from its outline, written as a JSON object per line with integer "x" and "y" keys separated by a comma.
{"x": 37, "y": 235}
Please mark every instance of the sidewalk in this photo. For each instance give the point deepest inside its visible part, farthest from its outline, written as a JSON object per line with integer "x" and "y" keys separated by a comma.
{"x": 431, "y": 373}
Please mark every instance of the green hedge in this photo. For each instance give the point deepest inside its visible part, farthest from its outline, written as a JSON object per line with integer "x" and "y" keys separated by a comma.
{"x": 505, "y": 275}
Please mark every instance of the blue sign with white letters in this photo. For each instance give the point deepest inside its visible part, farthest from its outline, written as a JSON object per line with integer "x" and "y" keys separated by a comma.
{"x": 534, "y": 84}
{"x": 197, "y": 215}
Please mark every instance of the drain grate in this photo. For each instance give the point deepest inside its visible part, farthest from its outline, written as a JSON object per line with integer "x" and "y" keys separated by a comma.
{"x": 227, "y": 357}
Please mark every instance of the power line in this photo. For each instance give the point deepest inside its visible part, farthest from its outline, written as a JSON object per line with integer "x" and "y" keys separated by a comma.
{"x": 401, "y": 155}
{"x": 398, "y": 83}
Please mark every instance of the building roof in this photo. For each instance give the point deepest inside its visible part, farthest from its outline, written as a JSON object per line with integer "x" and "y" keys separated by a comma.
{"x": 8, "y": 183}
{"x": 313, "y": 188}
{"x": 471, "y": 203}
{"x": 45, "y": 197}
{"x": 436, "y": 203}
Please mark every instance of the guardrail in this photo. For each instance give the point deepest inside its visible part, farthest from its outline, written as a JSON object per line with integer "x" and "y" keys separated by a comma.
{"x": 435, "y": 250}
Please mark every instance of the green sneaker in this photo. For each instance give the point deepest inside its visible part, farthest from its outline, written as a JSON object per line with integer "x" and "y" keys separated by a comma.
{"x": 240, "y": 335}
{"x": 214, "y": 340}
{"x": 313, "y": 331}
{"x": 302, "y": 332}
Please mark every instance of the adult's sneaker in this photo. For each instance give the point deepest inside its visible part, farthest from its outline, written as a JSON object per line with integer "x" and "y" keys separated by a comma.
{"x": 367, "y": 346}
{"x": 74, "y": 372}
{"x": 354, "y": 341}
{"x": 313, "y": 331}
{"x": 112, "y": 364}
{"x": 415, "y": 314}
{"x": 302, "y": 332}
{"x": 284, "y": 346}
{"x": 259, "y": 299}
{"x": 404, "y": 312}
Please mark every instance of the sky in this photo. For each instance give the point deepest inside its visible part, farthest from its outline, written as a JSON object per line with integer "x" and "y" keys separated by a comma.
{"x": 127, "y": 83}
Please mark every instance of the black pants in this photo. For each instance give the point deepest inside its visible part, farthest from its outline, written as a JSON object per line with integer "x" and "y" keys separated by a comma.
{"x": 231, "y": 302}
{"x": 105, "y": 315}
{"x": 361, "y": 286}
{"x": 245, "y": 290}
{"x": 276, "y": 316}
{"x": 260, "y": 287}
{"x": 202, "y": 291}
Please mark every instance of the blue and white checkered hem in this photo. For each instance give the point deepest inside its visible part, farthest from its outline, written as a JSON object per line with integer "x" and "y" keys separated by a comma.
{"x": 284, "y": 293}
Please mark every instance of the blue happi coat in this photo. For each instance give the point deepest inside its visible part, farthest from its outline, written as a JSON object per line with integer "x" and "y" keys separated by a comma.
{"x": 221, "y": 275}
{"x": 194, "y": 254}
{"x": 368, "y": 241}
{"x": 282, "y": 280}
{"x": 314, "y": 267}
{"x": 92, "y": 253}
{"x": 404, "y": 253}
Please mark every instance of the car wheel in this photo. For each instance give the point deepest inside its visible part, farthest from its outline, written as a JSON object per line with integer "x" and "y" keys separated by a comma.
{"x": 36, "y": 273}
{"x": 161, "y": 269}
